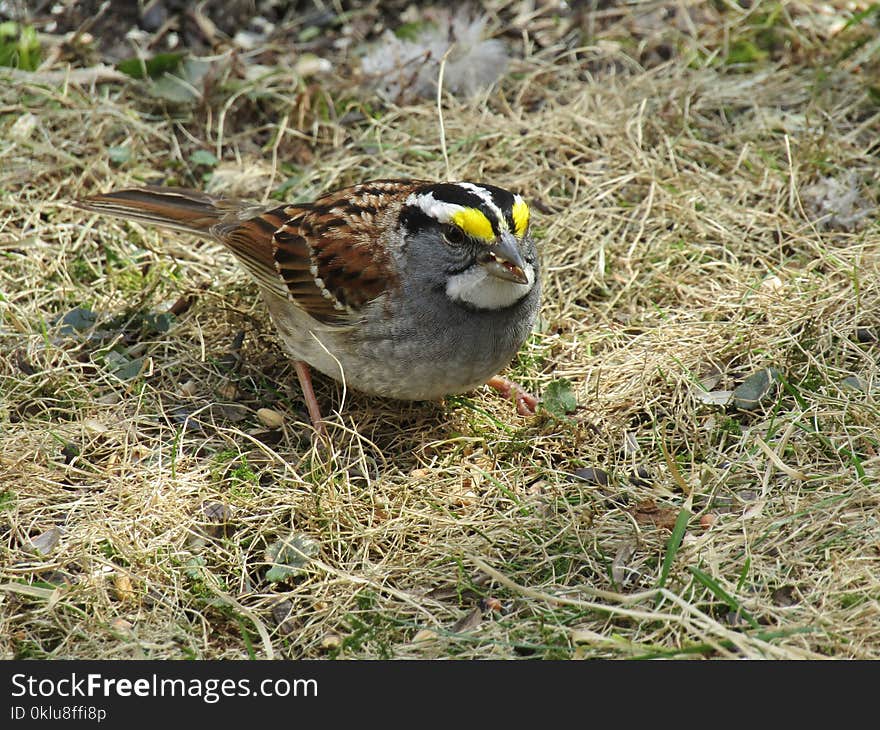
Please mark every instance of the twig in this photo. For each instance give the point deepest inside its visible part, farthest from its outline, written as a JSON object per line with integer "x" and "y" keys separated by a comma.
{"x": 440, "y": 108}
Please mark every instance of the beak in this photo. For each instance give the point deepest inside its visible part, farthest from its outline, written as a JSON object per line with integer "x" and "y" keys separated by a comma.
{"x": 503, "y": 260}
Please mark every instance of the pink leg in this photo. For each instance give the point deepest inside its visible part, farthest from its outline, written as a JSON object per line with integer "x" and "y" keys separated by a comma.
{"x": 305, "y": 382}
{"x": 526, "y": 403}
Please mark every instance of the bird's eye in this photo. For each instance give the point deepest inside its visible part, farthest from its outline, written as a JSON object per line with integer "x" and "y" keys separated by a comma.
{"x": 453, "y": 235}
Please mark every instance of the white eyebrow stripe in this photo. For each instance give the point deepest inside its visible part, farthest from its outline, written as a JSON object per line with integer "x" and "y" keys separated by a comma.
{"x": 486, "y": 197}
{"x": 439, "y": 210}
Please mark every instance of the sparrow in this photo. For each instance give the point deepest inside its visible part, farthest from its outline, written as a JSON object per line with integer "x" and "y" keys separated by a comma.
{"x": 401, "y": 288}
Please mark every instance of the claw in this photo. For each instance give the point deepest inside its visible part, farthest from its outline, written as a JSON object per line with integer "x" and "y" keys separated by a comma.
{"x": 526, "y": 403}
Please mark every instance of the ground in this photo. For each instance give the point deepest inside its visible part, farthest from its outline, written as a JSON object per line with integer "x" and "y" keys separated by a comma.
{"x": 702, "y": 479}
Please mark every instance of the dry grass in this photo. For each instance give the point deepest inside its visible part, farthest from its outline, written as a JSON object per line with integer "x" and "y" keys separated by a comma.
{"x": 681, "y": 243}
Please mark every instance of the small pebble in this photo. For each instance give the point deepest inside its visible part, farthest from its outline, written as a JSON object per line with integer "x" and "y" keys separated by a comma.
{"x": 94, "y": 426}
{"x": 270, "y": 418}
{"x": 772, "y": 285}
{"x": 189, "y": 388}
{"x": 641, "y": 477}
{"x": 154, "y": 15}
{"x": 424, "y": 635}
{"x": 23, "y": 127}
{"x": 69, "y": 452}
{"x": 592, "y": 475}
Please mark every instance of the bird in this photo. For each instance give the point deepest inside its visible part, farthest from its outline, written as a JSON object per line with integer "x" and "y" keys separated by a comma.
{"x": 402, "y": 288}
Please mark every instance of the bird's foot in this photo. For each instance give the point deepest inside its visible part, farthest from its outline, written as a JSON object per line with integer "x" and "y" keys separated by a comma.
{"x": 526, "y": 403}
{"x": 305, "y": 382}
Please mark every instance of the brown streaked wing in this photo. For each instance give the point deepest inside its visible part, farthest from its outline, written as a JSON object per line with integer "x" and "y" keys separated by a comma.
{"x": 251, "y": 240}
{"x": 344, "y": 231}
{"x": 293, "y": 261}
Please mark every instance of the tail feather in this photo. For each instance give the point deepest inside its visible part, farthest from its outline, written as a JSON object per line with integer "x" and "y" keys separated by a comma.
{"x": 177, "y": 208}
{"x": 246, "y": 229}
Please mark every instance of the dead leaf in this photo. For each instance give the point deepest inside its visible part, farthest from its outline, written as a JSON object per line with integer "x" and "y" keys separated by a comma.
{"x": 713, "y": 397}
{"x": 228, "y": 391}
{"x": 99, "y": 74}
{"x": 785, "y": 596}
{"x": 621, "y": 561}
{"x": 586, "y": 636}
{"x": 290, "y": 556}
{"x": 232, "y": 412}
{"x": 217, "y": 520}
{"x": 94, "y": 426}
{"x": 123, "y": 587}
{"x": 45, "y": 543}
{"x": 648, "y": 513}
{"x": 468, "y": 622}
{"x": 592, "y": 475}
{"x": 282, "y": 613}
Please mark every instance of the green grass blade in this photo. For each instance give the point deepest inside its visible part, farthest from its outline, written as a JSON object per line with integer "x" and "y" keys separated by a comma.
{"x": 681, "y": 523}
{"x": 716, "y": 590}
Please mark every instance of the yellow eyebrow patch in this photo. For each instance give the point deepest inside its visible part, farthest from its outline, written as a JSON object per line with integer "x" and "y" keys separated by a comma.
{"x": 475, "y": 223}
{"x": 520, "y": 212}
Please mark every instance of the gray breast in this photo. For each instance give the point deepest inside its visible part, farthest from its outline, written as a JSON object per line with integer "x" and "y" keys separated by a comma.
{"x": 431, "y": 347}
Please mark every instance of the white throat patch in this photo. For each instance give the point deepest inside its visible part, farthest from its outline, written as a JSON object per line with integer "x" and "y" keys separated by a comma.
{"x": 477, "y": 288}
